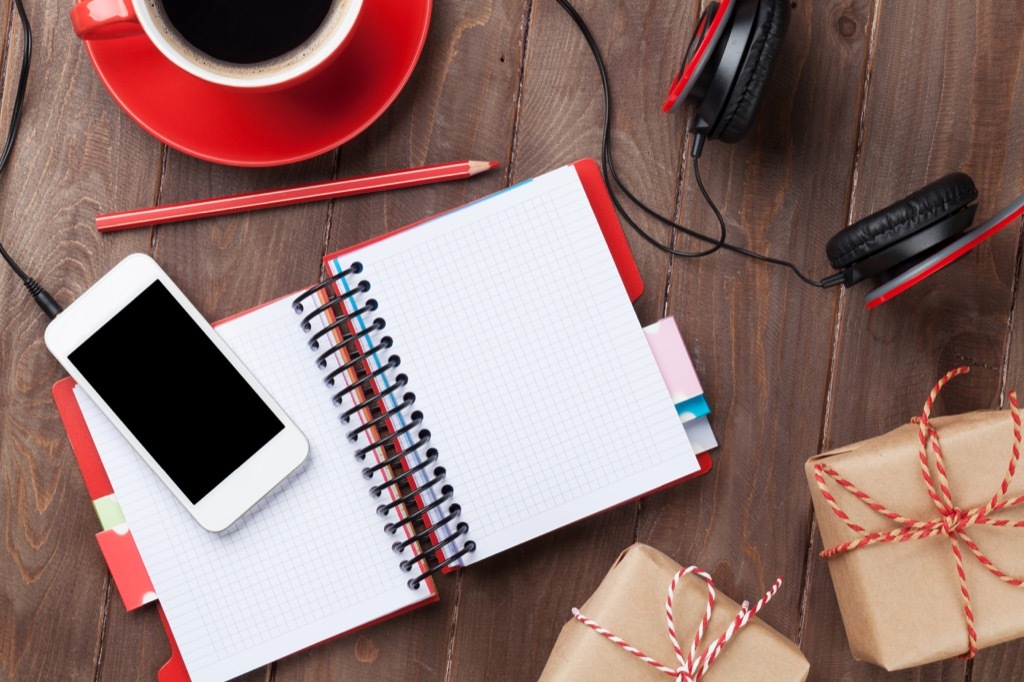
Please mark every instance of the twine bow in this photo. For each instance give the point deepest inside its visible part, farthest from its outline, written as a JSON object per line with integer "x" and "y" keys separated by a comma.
{"x": 693, "y": 666}
{"x": 953, "y": 522}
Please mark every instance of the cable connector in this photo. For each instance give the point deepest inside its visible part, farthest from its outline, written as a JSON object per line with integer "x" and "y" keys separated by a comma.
{"x": 43, "y": 299}
{"x": 833, "y": 280}
{"x": 698, "y": 145}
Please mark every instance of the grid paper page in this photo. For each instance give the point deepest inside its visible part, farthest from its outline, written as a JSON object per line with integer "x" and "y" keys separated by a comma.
{"x": 308, "y": 562}
{"x": 527, "y": 361}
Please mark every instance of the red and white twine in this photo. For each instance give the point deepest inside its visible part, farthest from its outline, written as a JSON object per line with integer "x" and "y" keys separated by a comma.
{"x": 953, "y": 522}
{"x": 692, "y": 666}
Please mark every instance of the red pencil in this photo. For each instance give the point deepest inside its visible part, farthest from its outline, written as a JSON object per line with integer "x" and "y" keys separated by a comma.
{"x": 364, "y": 184}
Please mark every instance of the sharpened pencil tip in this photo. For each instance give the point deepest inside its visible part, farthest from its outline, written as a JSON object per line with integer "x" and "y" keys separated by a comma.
{"x": 481, "y": 166}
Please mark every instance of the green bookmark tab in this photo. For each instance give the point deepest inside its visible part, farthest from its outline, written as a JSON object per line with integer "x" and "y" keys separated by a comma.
{"x": 108, "y": 509}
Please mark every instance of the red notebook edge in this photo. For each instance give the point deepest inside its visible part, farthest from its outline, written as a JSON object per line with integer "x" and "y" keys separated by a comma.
{"x": 95, "y": 476}
{"x": 604, "y": 210}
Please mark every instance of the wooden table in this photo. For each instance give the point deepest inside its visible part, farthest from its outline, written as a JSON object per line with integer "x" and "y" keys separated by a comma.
{"x": 869, "y": 100}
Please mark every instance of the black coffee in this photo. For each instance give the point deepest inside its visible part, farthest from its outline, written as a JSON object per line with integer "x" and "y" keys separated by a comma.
{"x": 246, "y": 31}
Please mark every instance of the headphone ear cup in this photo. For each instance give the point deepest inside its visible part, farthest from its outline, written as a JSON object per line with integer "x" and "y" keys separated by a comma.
{"x": 748, "y": 90}
{"x": 925, "y": 207}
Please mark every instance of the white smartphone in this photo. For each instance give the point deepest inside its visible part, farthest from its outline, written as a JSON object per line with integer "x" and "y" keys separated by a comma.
{"x": 174, "y": 389}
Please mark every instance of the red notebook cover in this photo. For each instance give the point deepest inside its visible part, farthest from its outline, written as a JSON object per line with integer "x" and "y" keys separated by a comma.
{"x": 119, "y": 548}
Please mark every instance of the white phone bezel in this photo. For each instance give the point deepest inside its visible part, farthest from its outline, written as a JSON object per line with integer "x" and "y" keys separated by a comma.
{"x": 259, "y": 474}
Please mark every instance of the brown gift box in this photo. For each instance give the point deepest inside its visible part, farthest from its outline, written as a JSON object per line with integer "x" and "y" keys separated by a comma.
{"x": 901, "y": 602}
{"x": 630, "y": 602}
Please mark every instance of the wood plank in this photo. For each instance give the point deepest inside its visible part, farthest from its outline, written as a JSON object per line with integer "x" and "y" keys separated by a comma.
{"x": 232, "y": 263}
{"x": 410, "y": 647}
{"x": 460, "y": 104}
{"x": 1004, "y": 662}
{"x": 134, "y": 645}
{"x": 942, "y": 97}
{"x": 760, "y": 337}
{"x": 442, "y": 115}
{"x": 563, "y": 109}
{"x": 512, "y": 607}
{"x": 76, "y": 154}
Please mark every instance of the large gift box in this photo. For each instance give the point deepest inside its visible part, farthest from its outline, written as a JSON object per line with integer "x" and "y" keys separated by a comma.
{"x": 923, "y": 534}
{"x": 630, "y": 606}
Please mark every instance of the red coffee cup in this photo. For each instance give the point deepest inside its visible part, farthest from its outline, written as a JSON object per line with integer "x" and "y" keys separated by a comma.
{"x": 114, "y": 19}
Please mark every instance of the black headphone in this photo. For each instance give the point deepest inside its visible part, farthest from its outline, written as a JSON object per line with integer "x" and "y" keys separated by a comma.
{"x": 724, "y": 74}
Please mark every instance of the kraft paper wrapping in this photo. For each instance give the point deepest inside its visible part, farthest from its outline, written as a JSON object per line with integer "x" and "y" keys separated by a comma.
{"x": 900, "y": 602}
{"x": 630, "y": 602}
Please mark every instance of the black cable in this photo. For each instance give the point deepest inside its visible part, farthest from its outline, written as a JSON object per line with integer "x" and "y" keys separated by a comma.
{"x": 43, "y": 299}
{"x": 16, "y": 118}
{"x": 611, "y": 177}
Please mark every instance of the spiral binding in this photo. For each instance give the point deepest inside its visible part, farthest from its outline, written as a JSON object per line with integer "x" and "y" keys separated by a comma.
{"x": 397, "y": 468}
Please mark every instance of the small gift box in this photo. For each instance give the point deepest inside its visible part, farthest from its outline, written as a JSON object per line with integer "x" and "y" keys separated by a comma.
{"x": 621, "y": 633}
{"x": 922, "y": 534}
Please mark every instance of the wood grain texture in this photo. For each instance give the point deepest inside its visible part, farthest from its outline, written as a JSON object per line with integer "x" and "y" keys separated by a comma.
{"x": 761, "y": 338}
{"x": 932, "y": 107}
{"x": 442, "y": 115}
{"x": 1006, "y": 662}
{"x": 869, "y": 100}
{"x": 76, "y": 153}
{"x": 134, "y": 645}
{"x": 232, "y": 263}
{"x": 563, "y": 108}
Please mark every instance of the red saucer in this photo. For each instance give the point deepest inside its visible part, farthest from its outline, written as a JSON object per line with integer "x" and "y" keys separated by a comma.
{"x": 240, "y": 128}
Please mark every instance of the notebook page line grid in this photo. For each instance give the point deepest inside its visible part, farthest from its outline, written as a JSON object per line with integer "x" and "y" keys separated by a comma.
{"x": 527, "y": 360}
{"x": 308, "y": 562}
{"x": 337, "y": 266}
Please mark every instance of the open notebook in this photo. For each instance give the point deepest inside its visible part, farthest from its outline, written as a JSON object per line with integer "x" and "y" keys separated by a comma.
{"x": 508, "y": 377}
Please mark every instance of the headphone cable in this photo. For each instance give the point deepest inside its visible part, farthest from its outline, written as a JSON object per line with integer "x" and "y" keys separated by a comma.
{"x": 611, "y": 177}
{"x": 42, "y": 298}
{"x": 51, "y": 308}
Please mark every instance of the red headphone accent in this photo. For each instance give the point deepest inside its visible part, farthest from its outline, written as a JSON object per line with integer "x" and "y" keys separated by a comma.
{"x": 702, "y": 45}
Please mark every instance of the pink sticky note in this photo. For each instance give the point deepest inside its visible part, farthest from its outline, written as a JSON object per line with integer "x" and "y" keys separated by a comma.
{"x": 673, "y": 360}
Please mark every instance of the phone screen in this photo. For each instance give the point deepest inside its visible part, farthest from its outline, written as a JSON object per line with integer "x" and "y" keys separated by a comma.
{"x": 176, "y": 392}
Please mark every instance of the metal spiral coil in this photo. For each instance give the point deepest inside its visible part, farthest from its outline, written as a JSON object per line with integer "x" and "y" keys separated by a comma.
{"x": 365, "y": 393}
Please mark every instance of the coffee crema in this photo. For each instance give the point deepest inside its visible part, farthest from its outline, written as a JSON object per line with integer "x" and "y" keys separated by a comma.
{"x": 247, "y": 38}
